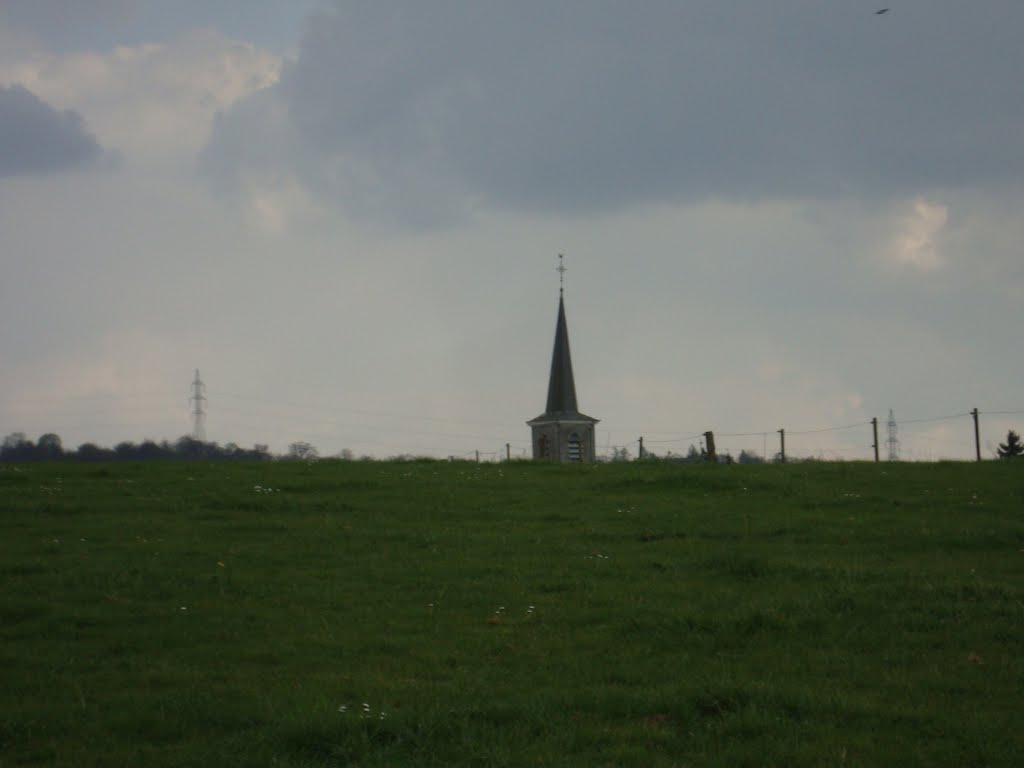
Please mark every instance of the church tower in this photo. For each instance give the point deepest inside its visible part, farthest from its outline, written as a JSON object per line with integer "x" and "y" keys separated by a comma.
{"x": 562, "y": 433}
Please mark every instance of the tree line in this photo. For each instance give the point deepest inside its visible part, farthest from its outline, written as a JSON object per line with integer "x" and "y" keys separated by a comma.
{"x": 49, "y": 447}
{"x": 17, "y": 447}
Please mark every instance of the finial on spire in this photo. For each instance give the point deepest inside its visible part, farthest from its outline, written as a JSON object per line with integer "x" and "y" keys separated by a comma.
{"x": 561, "y": 269}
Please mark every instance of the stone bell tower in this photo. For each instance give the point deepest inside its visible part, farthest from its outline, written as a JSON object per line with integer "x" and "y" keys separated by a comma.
{"x": 562, "y": 433}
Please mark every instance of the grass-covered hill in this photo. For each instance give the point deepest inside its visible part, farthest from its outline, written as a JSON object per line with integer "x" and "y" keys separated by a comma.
{"x": 436, "y": 614}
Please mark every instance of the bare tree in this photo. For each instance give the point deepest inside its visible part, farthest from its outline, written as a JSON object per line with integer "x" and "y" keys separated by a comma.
{"x": 302, "y": 451}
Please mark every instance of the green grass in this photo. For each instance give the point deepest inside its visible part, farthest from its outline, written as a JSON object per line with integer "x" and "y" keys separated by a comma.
{"x": 802, "y": 615}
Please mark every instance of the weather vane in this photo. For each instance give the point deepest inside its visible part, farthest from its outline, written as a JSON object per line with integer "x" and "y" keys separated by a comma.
{"x": 561, "y": 273}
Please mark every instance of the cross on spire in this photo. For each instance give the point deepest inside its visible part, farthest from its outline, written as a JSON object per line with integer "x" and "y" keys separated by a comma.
{"x": 561, "y": 269}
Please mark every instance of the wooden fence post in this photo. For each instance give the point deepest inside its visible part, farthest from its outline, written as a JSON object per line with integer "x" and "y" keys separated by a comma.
{"x": 977, "y": 435}
{"x": 709, "y": 440}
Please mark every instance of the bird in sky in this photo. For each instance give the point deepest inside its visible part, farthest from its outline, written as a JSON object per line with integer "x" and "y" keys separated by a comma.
{"x": 881, "y": 11}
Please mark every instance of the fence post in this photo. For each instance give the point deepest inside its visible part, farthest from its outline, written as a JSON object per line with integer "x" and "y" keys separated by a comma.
{"x": 709, "y": 440}
{"x": 874, "y": 429}
{"x": 977, "y": 435}
{"x": 640, "y": 453}
{"x": 782, "y": 446}
{"x": 508, "y": 452}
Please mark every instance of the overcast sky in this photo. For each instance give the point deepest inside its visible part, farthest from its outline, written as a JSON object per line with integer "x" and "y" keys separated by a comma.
{"x": 347, "y": 215}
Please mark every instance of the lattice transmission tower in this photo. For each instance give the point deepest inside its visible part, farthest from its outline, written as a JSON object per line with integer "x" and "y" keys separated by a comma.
{"x": 894, "y": 443}
{"x": 198, "y": 410}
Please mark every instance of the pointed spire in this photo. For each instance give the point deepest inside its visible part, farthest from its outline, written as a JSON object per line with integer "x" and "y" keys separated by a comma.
{"x": 562, "y": 433}
{"x": 561, "y": 385}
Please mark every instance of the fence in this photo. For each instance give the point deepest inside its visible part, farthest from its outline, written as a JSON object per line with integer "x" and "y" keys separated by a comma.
{"x": 783, "y": 444}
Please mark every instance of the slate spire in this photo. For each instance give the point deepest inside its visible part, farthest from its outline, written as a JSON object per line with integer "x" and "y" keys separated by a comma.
{"x": 561, "y": 385}
{"x": 562, "y": 433}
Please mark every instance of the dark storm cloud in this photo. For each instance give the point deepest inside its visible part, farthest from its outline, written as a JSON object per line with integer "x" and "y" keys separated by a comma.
{"x": 597, "y": 104}
{"x": 36, "y": 138}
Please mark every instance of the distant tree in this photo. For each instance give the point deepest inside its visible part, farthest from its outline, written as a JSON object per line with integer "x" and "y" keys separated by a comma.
{"x": 125, "y": 451}
{"x": 15, "y": 439}
{"x": 49, "y": 447}
{"x": 150, "y": 450}
{"x": 187, "y": 447}
{"x": 302, "y": 451}
{"x": 749, "y": 457}
{"x": 92, "y": 452}
{"x": 1012, "y": 447}
{"x": 620, "y": 453}
{"x": 346, "y": 455}
{"x": 259, "y": 452}
{"x": 17, "y": 447}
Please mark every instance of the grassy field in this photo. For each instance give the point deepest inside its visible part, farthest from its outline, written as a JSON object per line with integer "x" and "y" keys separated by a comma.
{"x": 436, "y": 614}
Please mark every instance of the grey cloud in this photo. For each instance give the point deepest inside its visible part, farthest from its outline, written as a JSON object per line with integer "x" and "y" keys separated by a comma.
{"x": 595, "y": 104}
{"x": 36, "y": 138}
{"x": 45, "y": 17}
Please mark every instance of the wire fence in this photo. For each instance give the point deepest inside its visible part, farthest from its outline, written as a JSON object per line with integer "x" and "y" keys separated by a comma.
{"x": 918, "y": 439}
{"x": 964, "y": 435}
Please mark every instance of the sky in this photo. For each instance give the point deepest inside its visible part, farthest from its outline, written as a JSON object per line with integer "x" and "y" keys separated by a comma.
{"x": 347, "y": 216}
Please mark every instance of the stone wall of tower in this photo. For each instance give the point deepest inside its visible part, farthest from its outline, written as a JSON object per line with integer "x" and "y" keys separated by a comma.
{"x": 564, "y": 442}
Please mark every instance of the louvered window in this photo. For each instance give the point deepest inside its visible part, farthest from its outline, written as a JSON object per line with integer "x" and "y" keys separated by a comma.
{"x": 575, "y": 449}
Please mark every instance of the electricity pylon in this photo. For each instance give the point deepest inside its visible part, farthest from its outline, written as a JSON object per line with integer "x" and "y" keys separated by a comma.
{"x": 198, "y": 411}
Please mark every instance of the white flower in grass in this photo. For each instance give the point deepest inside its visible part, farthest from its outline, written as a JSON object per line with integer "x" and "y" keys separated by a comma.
{"x": 342, "y": 708}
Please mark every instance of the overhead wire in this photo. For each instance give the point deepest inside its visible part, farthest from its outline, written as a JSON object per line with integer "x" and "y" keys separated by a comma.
{"x": 361, "y": 411}
{"x": 935, "y": 418}
{"x": 335, "y": 426}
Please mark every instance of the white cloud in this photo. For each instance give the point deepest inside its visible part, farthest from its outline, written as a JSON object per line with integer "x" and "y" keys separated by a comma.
{"x": 153, "y": 102}
{"x": 273, "y": 204}
{"x": 917, "y": 244}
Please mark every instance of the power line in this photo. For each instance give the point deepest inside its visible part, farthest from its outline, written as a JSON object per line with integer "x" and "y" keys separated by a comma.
{"x": 362, "y": 412}
{"x": 826, "y": 429}
{"x": 936, "y": 418}
{"x": 694, "y": 436}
